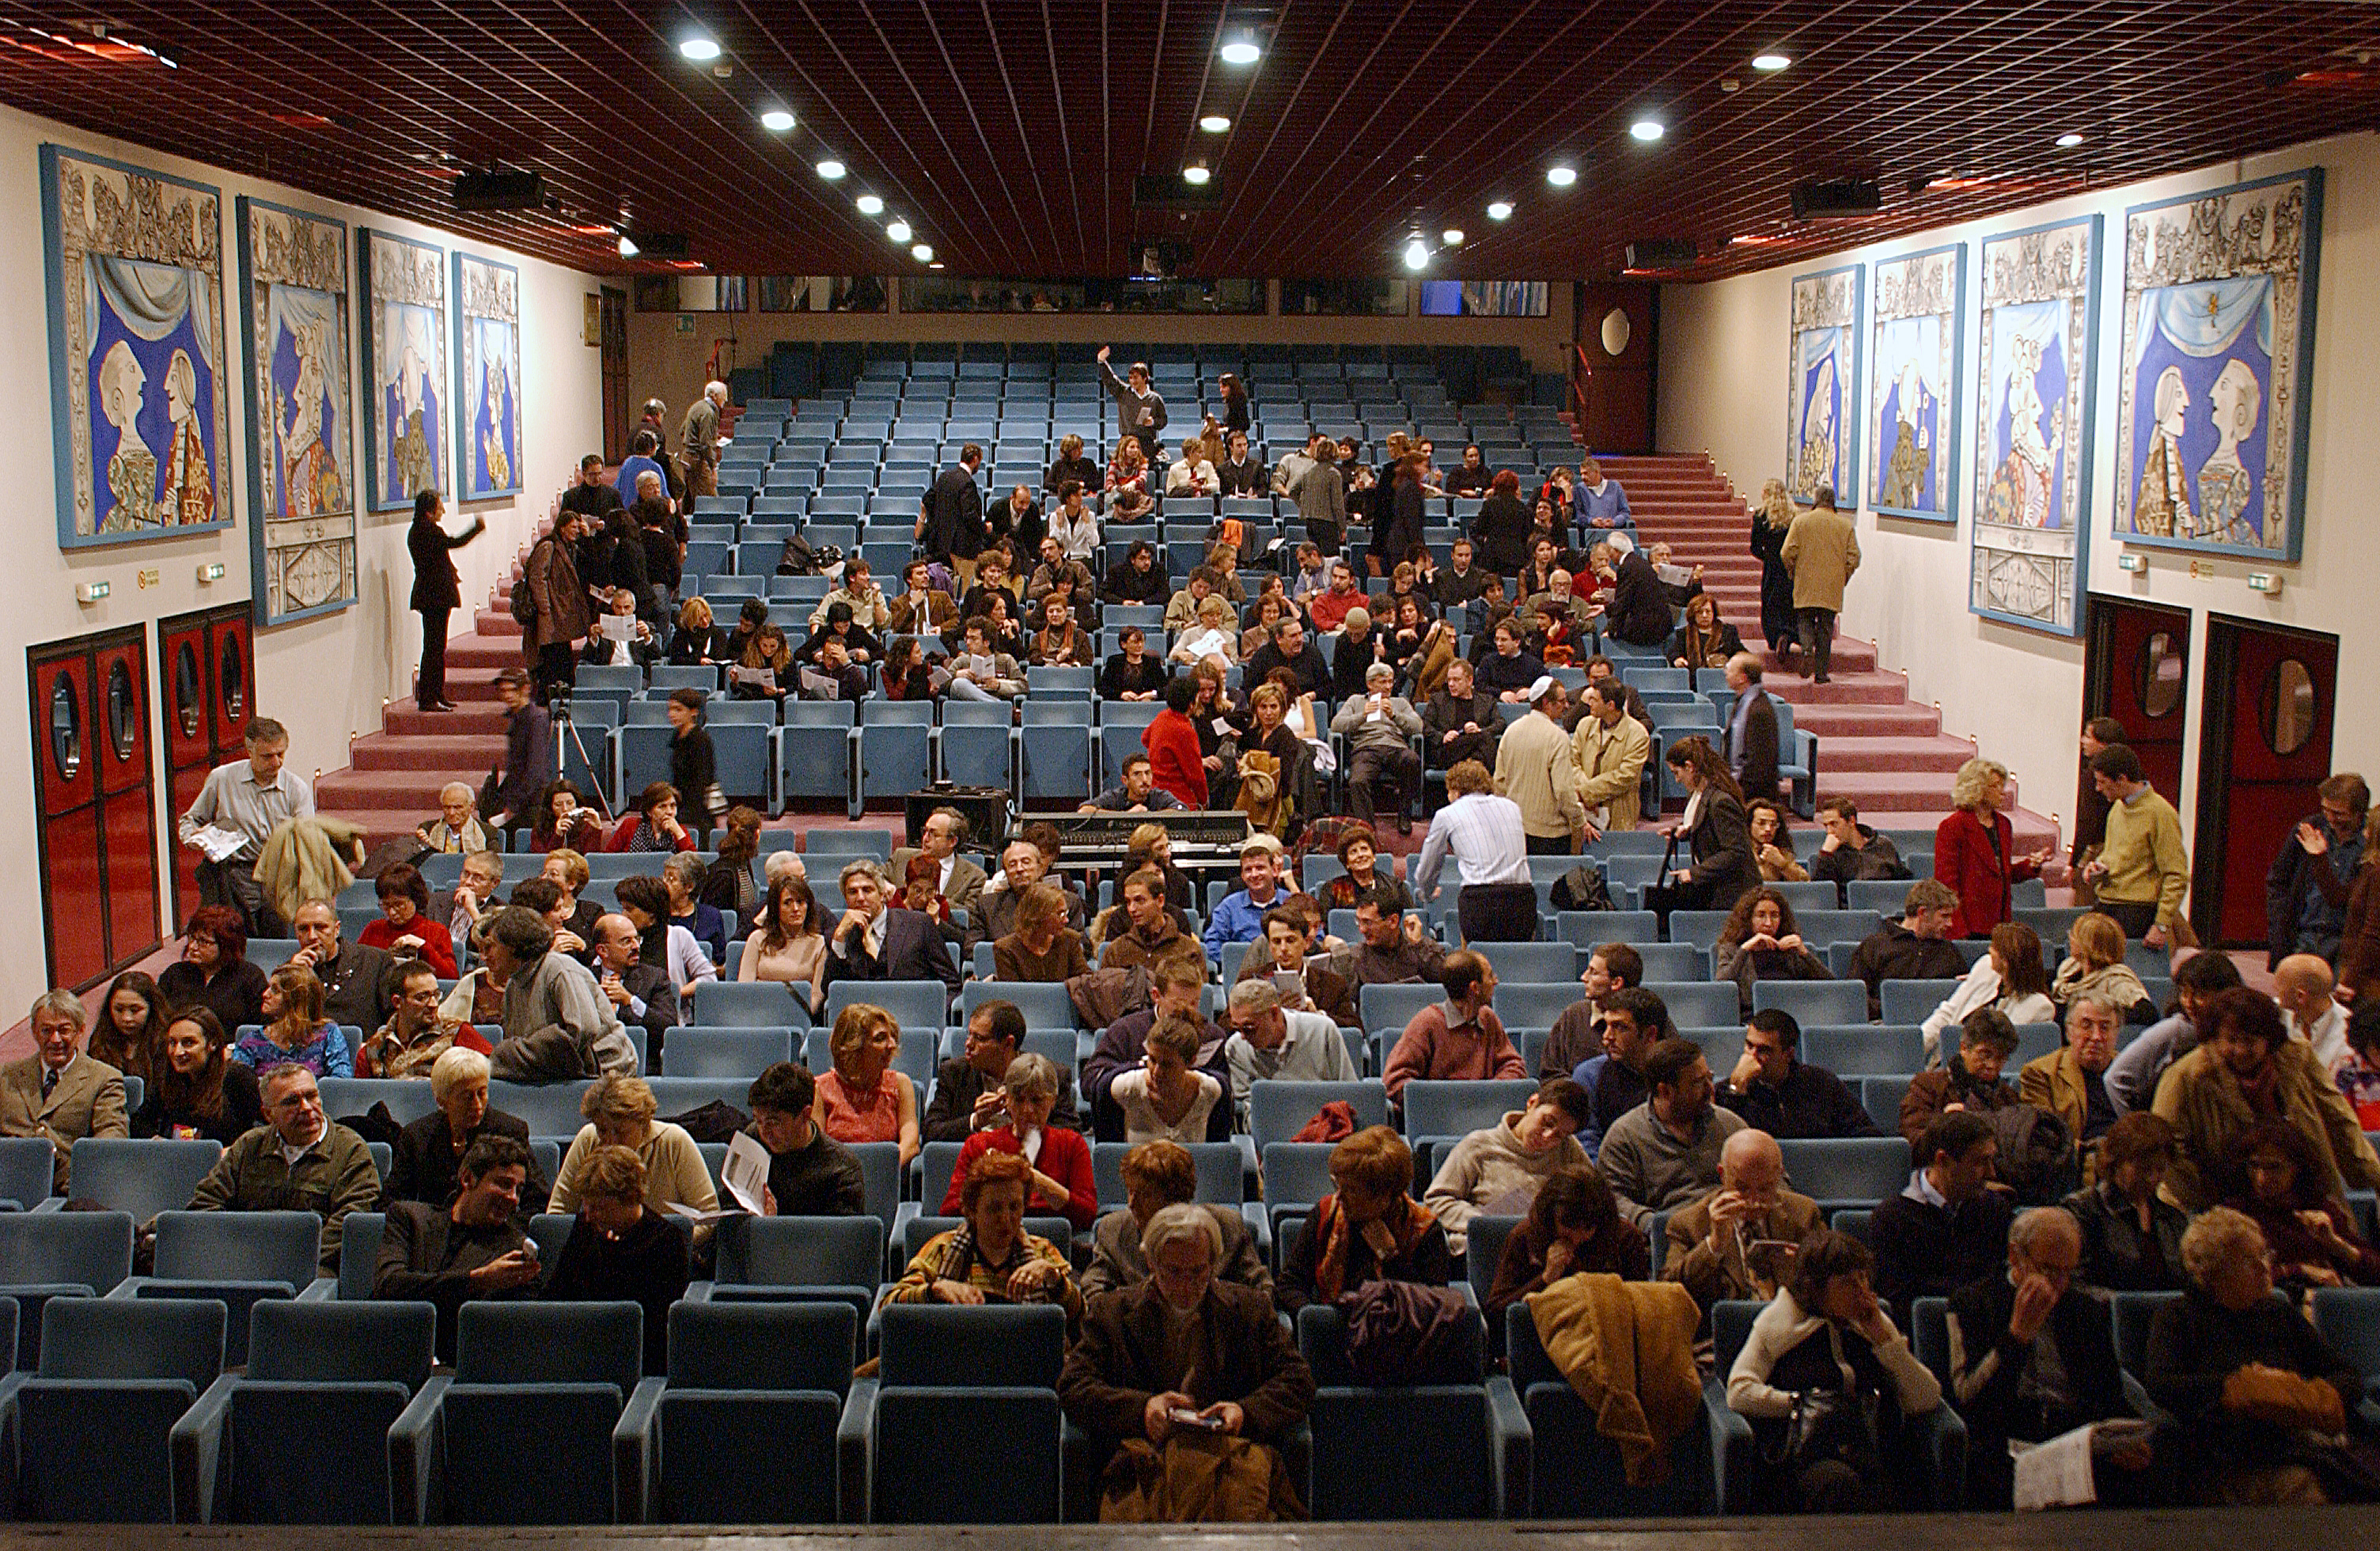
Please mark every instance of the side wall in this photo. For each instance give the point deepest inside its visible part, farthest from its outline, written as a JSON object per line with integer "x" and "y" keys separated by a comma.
{"x": 2017, "y": 692}
{"x": 325, "y": 677}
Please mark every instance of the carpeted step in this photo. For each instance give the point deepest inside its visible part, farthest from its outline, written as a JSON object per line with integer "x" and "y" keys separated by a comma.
{"x": 1834, "y": 724}
{"x": 470, "y": 717}
{"x": 1883, "y": 752}
{"x": 426, "y": 751}
{"x": 482, "y": 651}
{"x": 412, "y": 791}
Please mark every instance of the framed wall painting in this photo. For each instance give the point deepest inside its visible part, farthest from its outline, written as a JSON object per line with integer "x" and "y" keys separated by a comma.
{"x": 2036, "y": 346}
{"x": 139, "y": 386}
{"x": 487, "y": 360}
{"x": 1823, "y": 372}
{"x": 405, "y": 346}
{"x": 2211, "y": 422}
{"x": 1917, "y": 324}
{"x": 302, "y": 484}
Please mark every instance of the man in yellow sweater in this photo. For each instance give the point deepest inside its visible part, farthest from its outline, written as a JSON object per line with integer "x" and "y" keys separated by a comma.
{"x": 1534, "y": 766}
{"x": 2142, "y": 872}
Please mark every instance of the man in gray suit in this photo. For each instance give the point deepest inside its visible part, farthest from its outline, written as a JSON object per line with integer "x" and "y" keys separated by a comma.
{"x": 58, "y": 1092}
{"x": 962, "y": 881}
{"x": 873, "y": 941}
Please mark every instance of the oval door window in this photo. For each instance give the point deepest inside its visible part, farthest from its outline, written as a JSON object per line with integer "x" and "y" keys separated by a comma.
{"x": 1615, "y": 333}
{"x": 189, "y": 699}
{"x": 122, "y": 712}
{"x": 2161, "y": 669}
{"x": 2289, "y": 707}
{"x": 233, "y": 686}
{"x": 66, "y": 728}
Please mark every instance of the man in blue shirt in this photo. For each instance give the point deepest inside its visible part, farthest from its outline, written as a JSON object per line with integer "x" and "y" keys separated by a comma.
{"x": 1600, "y": 503}
{"x": 1240, "y": 916}
{"x": 643, "y": 454}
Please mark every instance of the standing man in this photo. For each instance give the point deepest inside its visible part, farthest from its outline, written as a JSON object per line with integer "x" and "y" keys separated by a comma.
{"x": 698, "y": 441}
{"x": 528, "y": 750}
{"x": 1534, "y": 769}
{"x": 1750, "y": 730}
{"x": 247, "y": 797}
{"x": 1486, "y": 835}
{"x": 950, "y": 522}
{"x": 1610, "y": 749}
{"x": 560, "y": 615}
{"x": 437, "y": 592}
{"x": 2324, "y": 849}
{"x": 1822, "y": 552}
{"x": 593, "y": 497}
{"x": 1460, "y": 720}
{"x": 1376, "y": 724}
{"x": 2143, "y": 873}
{"x": 939, "y": 838}
{"x": 1140, "y": 413}
{"x": 2091, "y": 809}
{"x": 59, "y": 1093}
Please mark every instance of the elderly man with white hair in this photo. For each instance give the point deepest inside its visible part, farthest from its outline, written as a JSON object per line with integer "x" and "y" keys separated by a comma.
{"x": 1270, "y": 1042}
{"x": 431, "y": 1149}
{"x": 698, "y": 441}
{"x": 1740, "y": 1241}
{"x": 60, "y": 1093}
{"x": 1378, "y": 725}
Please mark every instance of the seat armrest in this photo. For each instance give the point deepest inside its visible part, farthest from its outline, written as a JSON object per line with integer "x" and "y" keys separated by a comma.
{"x": 321, "y": 1290}
{"x": 129, "y": 1287}
{"x": 699, "y": 1292}
{"x": 852, "y": 1437}
{"x": 1512, "y": 1444}
{"x": 196, "y": 1442}
{"x": 1944, "y": 1436}
{"x": 54, "y": 1204}
{"x": 1732, "y": 1449}
{"x": 1259, "y": 1229}
{"x": 633, "y": 1454}
{"x": 415, "y": 1443}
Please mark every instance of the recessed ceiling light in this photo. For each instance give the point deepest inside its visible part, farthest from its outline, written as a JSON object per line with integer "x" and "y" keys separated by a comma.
{"x": 1416, "y": 255}
{"x": 898, "y": 231}
{"x": 869, "y": 205}
{"x": 777, "y": 119}
{"x": 1647, "y": 129}
{"x": 1769, "y": 62}
{"x": 1240, "y": 50}
{"x": 2069, "y": 140}
{"x": 1196, "y": 174}
{"x": 831, "y": 169}
{"x": 922, "y": 253}
{"x": 1451, "y": 236}
{"x": 628, "y": 248}
{"x": 1562, "y": 175}
{"x": 1214, "y": 124}
{"x": 700, "y": 49}
{"x": 1500, "y": 211}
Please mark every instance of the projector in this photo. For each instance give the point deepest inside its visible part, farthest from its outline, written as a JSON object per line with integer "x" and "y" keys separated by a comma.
{"x": 1660, "y": 253}
{"x": 499, "y": 189}
{"x": 1837, "y": 199}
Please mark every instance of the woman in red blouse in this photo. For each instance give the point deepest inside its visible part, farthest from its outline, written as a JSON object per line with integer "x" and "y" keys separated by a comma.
{"x": 1175, "y": 762}
{"x": 1974, "y": 850}
{"x": 405, "y": 928}
{"x": 1061, "y": 1184}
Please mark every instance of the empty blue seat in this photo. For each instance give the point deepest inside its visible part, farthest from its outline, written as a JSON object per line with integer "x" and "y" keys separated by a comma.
{"x": 1046, "y": 1007}
{"x": 1855, "y": 1051}
{"x": 92, "y": 1427}
{"x": 240, "y": 1258}
{"x": 1592, "y": 929}
{"x": 1846, "y": 1171}
{"x": 977, "y": 744}
{"x": 747, "y": 1004}
{"x": 1279, "y": 1110}
{"x": 1912, "y": 1001}
{"x": 1457, "y": 1108}
{"x": 1538, "y": 962}
{"x": 727, "y": 1052}
{"x": 58, "y": 1254}
{"x": 915, "y": 1004}
{"x": 1534, "y": 1005}
{"x": 1393, "y": 1007}
{"x": 1469, "y": 1427}
{"x": 966, "y": 1428}
{"x": 877, "y": 843}
{"x": 817, "y": 752}
{"x": 27, "y": 1164}
{"x": 1711, "y": 1005}
{"x": 1673, "y": 963}
{"x": 1054, "y": 747}
{"x": 547, "y": 1108}
{"x": 1813, "y": 1001}
{"x": 143, "y": 1177}
{"x": 838, "y": 1260}
{"x": 760, "y": 1421}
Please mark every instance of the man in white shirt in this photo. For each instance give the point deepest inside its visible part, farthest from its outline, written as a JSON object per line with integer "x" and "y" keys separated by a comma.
{"x": 247, "y": 797}
{"x": 1270, "y": 1043}
{"x": 1483, "y": 832}
{"x": 2302, "y": 984}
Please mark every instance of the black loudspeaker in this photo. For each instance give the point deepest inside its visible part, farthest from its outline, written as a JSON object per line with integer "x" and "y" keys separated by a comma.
{"x": 985, "y": 809}
{"x": 1660, "y": 253}
{"x": 500, "y": 190}
{"x": 1836, "y": 199}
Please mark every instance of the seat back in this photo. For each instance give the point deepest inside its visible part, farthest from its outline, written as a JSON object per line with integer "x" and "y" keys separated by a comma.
{"x": 88, "y": 1248}
{"x": 550, "y": 1344}
{"x": 726, "y": 1053}
{"x": 1592, "y": 1480}
{"x": 27, "y": 1164}
{"x": 407, "y": 1100}
{"x": 1533, "y": 962}
{"x": 1460, "y": 1358}
{"x": 750, "y": 1456}
{"x": 547, "y": 1108}
{"x": 274, "y": 1247}
{"x": 566, "y": 1427}
{"x": 2134, "y": 1312}
{"x": 1854, "y": 1050}
{"x": 1279, "y": 1110}
{"x": 1711, "y": 1005}
{"x": 945, "y": 1455}
{"x": 179, "y": 1339}
{"x": 1813, "y": 1001}
{"x": 1222, "y": 1174}
{"x": 761, "y": 1346}
{"x": 753, "y": 1004}
{"x": 1392, "y": 1007}
{"x": 915, "y": 1004}
{"x": 801, "y": 1251}
{"x": 1367, "y": 1442}
{"x": 342, "y": 1342}
{"x": 143, "y": 1177}
{"x": 2348, "y": 1318}
{"x": 1847, "y": 1170}
{"x": 1912, "y": 1001}
{"x": 1457, "y": 1108}
{"x": 990, "y": 1345}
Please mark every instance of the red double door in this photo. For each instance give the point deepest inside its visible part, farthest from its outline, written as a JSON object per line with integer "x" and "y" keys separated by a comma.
{"x": 96, "y": 792}
{"x": 2264, "y": 746}
{"x": 208, "y": 663}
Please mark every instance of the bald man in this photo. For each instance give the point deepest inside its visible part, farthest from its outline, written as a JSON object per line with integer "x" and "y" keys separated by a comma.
{"x": 2302, "y": 984}
{"x": 1749, "y": 1211}
{"x": 640, "y": 993}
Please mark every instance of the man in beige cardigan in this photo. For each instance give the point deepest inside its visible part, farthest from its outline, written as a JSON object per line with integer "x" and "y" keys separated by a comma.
{"x": 1822, "y": 550}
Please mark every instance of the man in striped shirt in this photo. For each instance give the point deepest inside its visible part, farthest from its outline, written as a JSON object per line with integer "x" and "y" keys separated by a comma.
{"x": 1483, "y": 832}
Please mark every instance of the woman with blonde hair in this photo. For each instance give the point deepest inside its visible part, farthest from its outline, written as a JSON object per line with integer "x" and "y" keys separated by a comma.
{"x": 1768, "y": 524}
{"x": 2094, "y": 966}
{"x": 1974, "y": 850}
{"x": 862, "y": 1098}
{"x": 620, "y": 1112}
{"x": 698, "y": 639}
{"x": 1167, "y": 1098}
{"x": 295, "y": 1031}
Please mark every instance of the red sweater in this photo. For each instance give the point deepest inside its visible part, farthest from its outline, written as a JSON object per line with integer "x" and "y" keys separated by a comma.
{"x": 1065, "y": 1157}
{"x": 1175, "y": 761}
{"x": 1964, "y": 859}
{"x": 625, "y": 835}
{"x": 437, "y": 945}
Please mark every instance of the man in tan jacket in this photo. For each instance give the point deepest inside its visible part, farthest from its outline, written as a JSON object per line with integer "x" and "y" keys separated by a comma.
{"x": 1610, "y": 747}
{"x": 59, "y": 1093}
{"x": 1822, "y": 550}
{"x": 1534, "y": 768}
{"x": 1751, "y": 1210}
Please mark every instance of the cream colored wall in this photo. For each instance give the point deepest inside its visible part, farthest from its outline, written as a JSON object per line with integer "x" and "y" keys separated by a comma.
{"x": 2018, "y": 691}
{"x": 667, "y": 364}
{"x": 326, "y": 678}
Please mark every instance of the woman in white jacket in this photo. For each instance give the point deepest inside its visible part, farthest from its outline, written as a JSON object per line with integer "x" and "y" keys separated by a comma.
{"x": 1510, "y": 1159}
{"x": 2010, "y": 977}
{"x": 1825, "y": 1334}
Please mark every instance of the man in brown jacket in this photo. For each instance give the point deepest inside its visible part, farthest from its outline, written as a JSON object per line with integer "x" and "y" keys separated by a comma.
{"x": 59, "y": 1093}
{"x": 562, "y": 615}
{"x": 1822, "y": 550}
{"x": 1749, "y": 1211}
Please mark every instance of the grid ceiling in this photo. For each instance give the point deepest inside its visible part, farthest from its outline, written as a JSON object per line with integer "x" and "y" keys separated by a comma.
{"x": 1008, "y": 132}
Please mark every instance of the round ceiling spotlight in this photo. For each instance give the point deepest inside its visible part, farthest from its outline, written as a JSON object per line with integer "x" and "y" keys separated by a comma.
{"x": 922, "y": 253}
{"x": 702, "y": 50}
{"x": 1647, "y": 129}
{"x": 1416, "y": 254}
{"x": 898, "y": 231}
{"x": 870, "y": 204}
{"x": 1196, "y": 174}
{"x": 1240, "y": 50}
{"x": 1769, "y": 62}
{"x": 1214, "y": 124}
{"x": 831, "y": 169}
{"x": 1451, "y": 236}
{"x": 777, "y": 119}
{"x": 2069, "y": 140}
{"x": 627, "y": 246}
{"x": 1500, "y": 211}
{"x": 1562, "y": 175}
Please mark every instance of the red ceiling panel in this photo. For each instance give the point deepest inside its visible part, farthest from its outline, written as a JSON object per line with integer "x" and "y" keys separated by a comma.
{"x": 1008, "y": 132}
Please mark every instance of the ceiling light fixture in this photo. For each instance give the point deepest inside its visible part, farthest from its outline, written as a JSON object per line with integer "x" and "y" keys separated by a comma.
{"x": 702, "y": 50}
{"x": 1240, "y": 49}
{"x": 627, "y": 246}
{"x": 777, "y": 119}
{"x": 1647, "y": 129}
{"x": 1451, "y": 236}
{"x": 922, "y": 253}
{"x": 1562, "y": 175}
{"x": 898, "y": 231}
{"x": 1500, "y": 211}
{"x": 1196, "y": 174}
{"x": 869, "y": 205}
{"x": 2069, "y": 140}
{"x": 831, "y": 169}
{"x": 1769, "y": 62}
{"x": 935, "y": 264}
{"x": 1416, "y": 254}
{"x": 1214, "y": 124}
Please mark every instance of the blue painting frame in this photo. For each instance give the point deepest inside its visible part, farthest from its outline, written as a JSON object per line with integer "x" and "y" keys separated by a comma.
{"x": 133, "y": 263}
{"x": 2202, "y": 400}
{"x": 487, "y": 409}
{"x": 407, "y": 445}
{"x": 1917, "y": 315}
{"x": 1822, "y": 374}
{"x": 2037, "y": 331}
{"x": 295, "y": 315}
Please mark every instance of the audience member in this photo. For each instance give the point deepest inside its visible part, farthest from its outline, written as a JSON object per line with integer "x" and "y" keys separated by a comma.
{"x": 130, "y": 1034}
{"x": 1059, "y": 1160}
{"x": 2306, "y": 888}
{"x": 1853, "y": 852}
{"x": 2131, "y": 1235}
{"x": 1498, "y": 1170}
{"x": 1306, "y": 980}
{"x": 1043, "y": 947}
{"x": 1724, "y": 868}
{"x": 655, "y": 825}
{"x": 1167, "y": 1098}
{"x": 2275, "y": 1182}
{"x": 1487, "y": 834}
{"x": 1535, "y": 770}
{"x": 423, "y": 1161}
{"x": 621, "y": 1113}
{"x": 298, "y": 1160}
{"x": 862, "y": 1097}
{"x": 1640, "y": 613}
{"x": 1268, "y": 1042}
{"x": 1577, "y": 1034}
{"x": 213, "y": 971}
{"x": 249, "y": 798}
{"x": 875, "y": 941}
{"x": 1974, "y": 850}
{"x": 2070, "y": 1082}
{"x": 1177, "y": 990}
{"x": 59, "y": 1093}
{"x": 1916, "y": 947}
{"x": 1822, "y": 552}
{"x": 1151, "y": 934}
{"x": 2094, "y": 966}
{"x": 648, "y": 904}
{"x": 1772, "y": 841}
{"x": 1969, "y": 1077}
{"x": 1665, "y": 1152}
{"x": 810, "y": 1173}
{"x": 1740, "y": 1240}
{"x": 1777, "y": 1092}
{"x": 1752, "y": 755}
{"x": 787, "y": 945}
{"x": 1022, "y": 865}
{"x": 457, "y": 831}
{"x": 2302, "y": 987}
{"x": 1459, "y": 722}
{"x": 1238, "y": 917}
{"x": 1572, "y": 1228}
{"x": 620, "y": 1249}
{"x": 2009, "y": 978}
{"x": 1376, "y": 725}
{"x": 294, "y": 1028}
{"x": 1460, "y": 1039}
{"x": 2142, "y": 875}
{"x": 417, "y": 1032}
{"x": 1702, "y": 639}
{"x": 1159, "y": 1175}
{"x": 1760, "y": 941}
{"x": 1634, "y": 1020}
{"x": 1948, "y": 1228}
{"x": 558, "y": 1025}
{"x": 444, "y": 1253}
{"x": 1368, "y": 1229}
{"x": 355, "y": 978}
{"x": 196, "y": 1091}
{"x": 2132, "y": 1078}
{"x": 1609, "y": 748}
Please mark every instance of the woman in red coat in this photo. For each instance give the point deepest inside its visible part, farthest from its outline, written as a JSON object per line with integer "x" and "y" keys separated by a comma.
{"x": 1061, "y": 1182}
{"x": 1972, "y": 850}
{"x": 1175, "y": 762}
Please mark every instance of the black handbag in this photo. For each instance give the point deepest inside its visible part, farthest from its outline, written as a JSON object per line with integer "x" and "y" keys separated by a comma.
{"x": 1830, "y": 1424}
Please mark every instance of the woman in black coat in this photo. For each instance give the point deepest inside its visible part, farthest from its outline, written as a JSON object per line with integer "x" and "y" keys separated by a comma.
{"x": 693, "y": 765}
{"x": 1501, "y": 529}
{"x": 1768, "y": 526}
{"x": 1397, "y": 521}
{"x": 437, "y": 592}
{"x": 628, "y": 568}
{"x": 1725, "y": 866}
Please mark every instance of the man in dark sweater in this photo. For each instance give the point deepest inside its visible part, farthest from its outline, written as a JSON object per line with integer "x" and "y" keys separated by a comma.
{"x": 1775, "y": 1092}
{"x": 593, "y": 496}
{"x": 1459, "y": 723}
{"x": 1639, "y": 613}
{"x": 968, "y": 1096}
{"x": 1633, "y": 1021}
{"x": 1949, "y": 1227}
{"x": 1289, "y": 648}
{"x": 810, "y": 1173}
{"x": 1852, "y": 852}
{"x": 950, "y": 526}
{"x": 474, "y": 1248}
{"x": 1916, "y": 947}
{"x": 1577, "y": 1035}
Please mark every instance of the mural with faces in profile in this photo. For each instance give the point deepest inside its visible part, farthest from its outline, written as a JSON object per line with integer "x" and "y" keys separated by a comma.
{"x": 1823, "y": 441}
